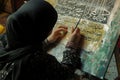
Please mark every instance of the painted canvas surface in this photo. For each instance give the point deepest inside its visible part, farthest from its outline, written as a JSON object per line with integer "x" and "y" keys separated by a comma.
{"x": 99, "y": 25}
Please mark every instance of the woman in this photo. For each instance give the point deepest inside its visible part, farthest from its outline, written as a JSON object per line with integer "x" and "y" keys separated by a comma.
{"x": 27, "y": 35}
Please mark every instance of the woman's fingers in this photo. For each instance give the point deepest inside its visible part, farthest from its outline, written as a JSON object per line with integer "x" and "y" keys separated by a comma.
{"x": 63, "y": 27}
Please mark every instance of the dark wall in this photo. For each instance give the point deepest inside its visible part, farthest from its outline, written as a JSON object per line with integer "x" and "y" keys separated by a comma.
{"x": 2, "y": 4}
{"x": 17, "y": 4}
{"x": 10, "y": 5}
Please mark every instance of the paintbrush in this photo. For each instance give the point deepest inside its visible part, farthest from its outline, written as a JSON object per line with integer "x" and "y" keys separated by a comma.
{"x": 77, "y": 23}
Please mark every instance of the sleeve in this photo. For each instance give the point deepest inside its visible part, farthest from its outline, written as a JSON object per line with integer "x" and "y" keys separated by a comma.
{"x": 48, "y": 67}
{"x": 47, "y": 45}
{"x": 64, "y": 70}
{"x": 71, "y": 56}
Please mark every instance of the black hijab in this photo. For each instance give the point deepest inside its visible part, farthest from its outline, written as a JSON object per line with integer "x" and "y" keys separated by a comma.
{"x": 30, "y": 24}
{"x": 27, "y": 28}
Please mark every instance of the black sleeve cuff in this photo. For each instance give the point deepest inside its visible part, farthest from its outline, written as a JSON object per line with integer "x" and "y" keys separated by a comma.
{"x": 71, "y": 57}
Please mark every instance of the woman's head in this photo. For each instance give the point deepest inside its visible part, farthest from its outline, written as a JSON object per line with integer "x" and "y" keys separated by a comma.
{"x": 31, "y": 23}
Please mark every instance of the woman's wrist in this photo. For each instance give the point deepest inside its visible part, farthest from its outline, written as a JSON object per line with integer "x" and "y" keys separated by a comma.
{"x": 71, "y": 45}
{"x": 46, "y": 41}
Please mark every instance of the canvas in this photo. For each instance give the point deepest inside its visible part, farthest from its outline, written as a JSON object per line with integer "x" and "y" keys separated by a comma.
{"x": 99, "y": 27}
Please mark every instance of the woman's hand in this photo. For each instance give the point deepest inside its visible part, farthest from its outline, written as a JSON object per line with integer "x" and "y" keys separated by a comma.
{"x": 57, "y": 34}
{"x": 74, "y": 39}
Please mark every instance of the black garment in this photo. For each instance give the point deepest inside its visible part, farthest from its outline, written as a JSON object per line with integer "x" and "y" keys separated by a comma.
{"x": 34, "y": 64}
{"x": 3, "y": 41}
{"x": 27, "y": 28}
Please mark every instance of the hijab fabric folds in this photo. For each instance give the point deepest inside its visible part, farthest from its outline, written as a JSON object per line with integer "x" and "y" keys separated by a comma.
{"x": 30, "y": 24}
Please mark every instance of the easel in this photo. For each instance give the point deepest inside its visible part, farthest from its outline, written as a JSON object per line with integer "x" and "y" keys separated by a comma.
{"x": 117, "y": 57}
